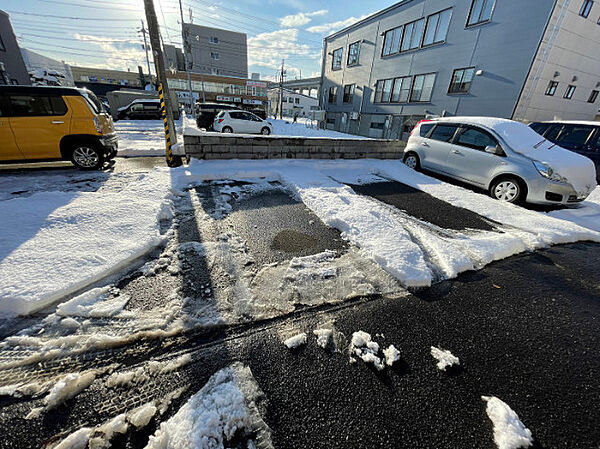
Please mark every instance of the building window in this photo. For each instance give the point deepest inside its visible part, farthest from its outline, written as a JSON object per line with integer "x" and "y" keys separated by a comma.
{"x": 413, "y": 32}
{"x": 422, "y": 88}
{"x": 376, "y": 125}
{"x": 348, "y": 93}
{"x": 401, "y": 90}
{"x": 2, "y": 47}
{"x": 336, "y": 61}
{"x": 481, "y": 12}
{"x": 297, "y": 100}
{"x": 391, "y": 41}
{"x": 586, "y": 8}
{"x": 331, "y": 121}
{"x": 214, "y": 55}
{"x": 461, "y": 81}
{"x": 551, "y": 89}
{"x": 214, "y": 40}
{"x": 353, "y": 53}
{"x": 437, "y": 27}
{"x": 333, "y": 94}
{"x": 569, "y": 92}
{"x": 593, "y": 96}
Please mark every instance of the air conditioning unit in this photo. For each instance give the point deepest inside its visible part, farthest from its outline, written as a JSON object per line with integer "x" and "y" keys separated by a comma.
{"x": 354, "y": 115}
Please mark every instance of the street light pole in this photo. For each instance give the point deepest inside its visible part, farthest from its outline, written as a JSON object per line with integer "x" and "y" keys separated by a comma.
{"x": 163, "y": 89}
{"x": 188, "y": 68}
{"x": 143, "y": 30}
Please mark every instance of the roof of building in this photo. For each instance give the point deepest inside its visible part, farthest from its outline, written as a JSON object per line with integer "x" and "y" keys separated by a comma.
{"x": 368, "y": 18}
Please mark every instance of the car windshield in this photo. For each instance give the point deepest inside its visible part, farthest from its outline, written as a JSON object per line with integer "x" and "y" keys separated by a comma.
{"x": 93, "y": 102}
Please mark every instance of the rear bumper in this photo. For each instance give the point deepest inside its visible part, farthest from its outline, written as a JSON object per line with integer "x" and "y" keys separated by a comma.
{"x": 109, "y": 142}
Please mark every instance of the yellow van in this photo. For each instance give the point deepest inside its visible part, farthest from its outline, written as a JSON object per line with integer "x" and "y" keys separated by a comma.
{"x": 55, "y": 123}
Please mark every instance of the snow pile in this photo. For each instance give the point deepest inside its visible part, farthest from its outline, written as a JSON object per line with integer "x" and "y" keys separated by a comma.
{"x": 141, "y": 416}
{"x": 77, "y": 440}
{"x": 365, "y": 349}
{"x": 509, "y": 431}
{"x": 101, "y": 436}
{"x": 223, "y": 410}
{"x": 445, "y": 358}
{"x": 55, "y": 243}
{"x": 586, "y": 214}
{"x": 295, "y": 341}
{"x": 288, "y": 128}
{"x": 143, "y": 137}
{"x": 324, "y": 337}
{"x": 147, "y": 371}
{"x": 93, "y": 303}
{"x": 391, "y": 355}
{"x": 68, "y": 387}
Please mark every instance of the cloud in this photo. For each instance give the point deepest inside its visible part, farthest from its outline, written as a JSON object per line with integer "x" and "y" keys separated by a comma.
{"x": 268, "y": 49}
{"x": 119, "y": 55}
{"x": 335, "y": 26}
{"x": 300, "y": 19}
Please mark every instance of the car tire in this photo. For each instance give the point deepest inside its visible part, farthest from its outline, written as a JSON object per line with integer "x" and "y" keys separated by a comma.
{"x": 87, "y": 156}
{"x": 227, "y": 130}
{"x": 265, "y": 131}
{"x": 508, "y": 189}
{"x": 112, "y": 154}
{"x": 411, "y": 160}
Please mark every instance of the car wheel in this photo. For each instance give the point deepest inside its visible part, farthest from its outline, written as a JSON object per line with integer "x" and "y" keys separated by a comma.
{"x": 227, "y": 129}
{"x": 509, "y": 190}
{"x": 87, "y": 157}
{"x": 112, "y": 154}
{"x": 265, "y": 131}
{"x": 411, "y": 160}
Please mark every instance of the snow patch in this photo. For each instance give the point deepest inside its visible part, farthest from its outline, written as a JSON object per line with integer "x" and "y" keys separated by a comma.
{"x": 444, "y": 357}
{"x": 295, "y": 341}
{"x": 94, "y": 303}
{"x": 367, "y": 350}
{"x": 324, "y": 337}
{"x": 391, "y": 355}
{"x": 509, "y": 431}
{"x": 141, "y": 416}
{"x": 68, "y": 387}
{"x": 77, "y": 440}
{"x": 224, "y": 409}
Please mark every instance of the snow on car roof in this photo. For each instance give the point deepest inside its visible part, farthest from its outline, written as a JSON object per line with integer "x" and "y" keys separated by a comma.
{"x": 573, "y": 122}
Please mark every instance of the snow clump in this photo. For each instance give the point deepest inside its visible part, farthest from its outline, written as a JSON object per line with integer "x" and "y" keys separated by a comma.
{"x": 509, "y": 431}
{"x": 445, "y": 358}
{"x": 367, "y": 350}
{"x": 295, "y": 341}
{"x": 324, "y": 336}
{"x": 391, "y": 355}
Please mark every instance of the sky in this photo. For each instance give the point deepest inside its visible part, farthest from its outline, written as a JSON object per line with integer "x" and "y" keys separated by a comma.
{"x": 105, "y": 33}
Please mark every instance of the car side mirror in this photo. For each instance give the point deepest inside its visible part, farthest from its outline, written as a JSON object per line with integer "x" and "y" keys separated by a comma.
{"x": 494, "y": 149}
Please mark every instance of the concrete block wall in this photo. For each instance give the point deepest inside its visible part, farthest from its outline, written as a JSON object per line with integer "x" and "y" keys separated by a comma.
{"x": 227, "y": 146}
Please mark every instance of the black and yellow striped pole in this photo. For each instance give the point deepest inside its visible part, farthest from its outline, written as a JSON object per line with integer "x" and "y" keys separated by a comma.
{"x": 168, "y": 144}
{"x": 163, "y": 86}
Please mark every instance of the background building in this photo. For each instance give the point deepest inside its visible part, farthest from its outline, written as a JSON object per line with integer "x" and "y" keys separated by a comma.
{"x": 473, "y": 57}
{"x": 245, "y": 93}
{"x": 174, "y": 58}
{"x": 294, "y": 103}
{"x": 102, "y": 81}
{"x": 47, "y": 69}
{"x": 215, "y": 51}
{"x": 305, "y": 86}
{"x": 15, "y": 71}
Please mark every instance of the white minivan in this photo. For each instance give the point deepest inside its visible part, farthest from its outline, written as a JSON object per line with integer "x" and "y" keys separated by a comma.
{"x": 241, "y": 122}
{"x": 506, "y": 158}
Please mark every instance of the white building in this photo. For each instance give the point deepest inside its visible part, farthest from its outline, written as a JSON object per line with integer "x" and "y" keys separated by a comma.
{"x": 294, "y": 103}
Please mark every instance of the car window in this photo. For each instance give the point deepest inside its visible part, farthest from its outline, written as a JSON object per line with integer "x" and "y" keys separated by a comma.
{"x": 595, "y": 142}
{"x": 476, "y": 139}
{"x": 443, "y": 133}
{"x": 37, "y": 105}
{"x": 540, "y": 128}
{"x": 553, "y": 132}
{"x": 425, "y": 128}
{"x": 151, "y": 107}
{"x": 137, "y": 107}
{"x": 220, "y": 114}
{"x": 575, "y": 134}
{"x": 253, "y": 117}
{"x": 237, "y": 115}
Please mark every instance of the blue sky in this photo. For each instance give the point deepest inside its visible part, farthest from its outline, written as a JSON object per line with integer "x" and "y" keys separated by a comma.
{"x": 276, "y": 29}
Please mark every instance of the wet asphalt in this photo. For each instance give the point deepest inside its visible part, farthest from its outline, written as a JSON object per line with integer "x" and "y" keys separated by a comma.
{"x": 526, "y": 330}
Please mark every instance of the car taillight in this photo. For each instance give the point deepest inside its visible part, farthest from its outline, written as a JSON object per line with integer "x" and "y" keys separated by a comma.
{"x": 417, "y": 125}
{"x": 221, "y": 120}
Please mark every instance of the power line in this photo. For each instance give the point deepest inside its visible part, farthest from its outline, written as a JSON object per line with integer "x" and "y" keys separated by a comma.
{"x": 70, "y": 17}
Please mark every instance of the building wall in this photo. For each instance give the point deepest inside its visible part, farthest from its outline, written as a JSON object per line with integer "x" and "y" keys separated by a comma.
{"x": 294, "y": 104}
{"x": 105, "y": 76}
{"x": 232, "y": 50}
{"x": 10, "y": 54}
{"x": 503, "y": 49}
{"x": 174, "y": 58}
{"x": 569, "y": 55}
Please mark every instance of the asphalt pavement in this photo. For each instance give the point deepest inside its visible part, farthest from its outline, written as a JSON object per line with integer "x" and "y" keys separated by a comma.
{"x": 525, "y": 329}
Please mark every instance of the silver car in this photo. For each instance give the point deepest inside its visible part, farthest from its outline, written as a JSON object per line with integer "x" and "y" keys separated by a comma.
{"x": 506, "y": 158}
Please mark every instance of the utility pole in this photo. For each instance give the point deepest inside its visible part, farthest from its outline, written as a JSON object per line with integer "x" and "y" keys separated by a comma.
{"x": 163, "y": 86}
{"x": 144, "y": 31}
{"x": 281, "y": 90}
{"x": 188, "y": 66}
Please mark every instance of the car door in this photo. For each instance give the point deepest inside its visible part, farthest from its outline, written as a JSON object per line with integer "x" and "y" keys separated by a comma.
{"x": 435, "y": 147}
{"x": 151, "y": 111}
{"x": 237, "y": 122}
{"x": 468, "y": 159}
{"x": 9, "y": 151}
{"x": 254, "y": 123}
{"x": 39, "y": 122}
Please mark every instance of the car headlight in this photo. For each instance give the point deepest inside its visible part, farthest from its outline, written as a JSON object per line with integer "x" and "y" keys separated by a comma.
{"x": 548, "y": 172}
{"x": 98, "y": 125}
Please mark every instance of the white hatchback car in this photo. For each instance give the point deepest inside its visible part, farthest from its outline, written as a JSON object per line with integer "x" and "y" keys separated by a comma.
{"x": 241, "y": 122}
{"x": 506, "y": 158}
